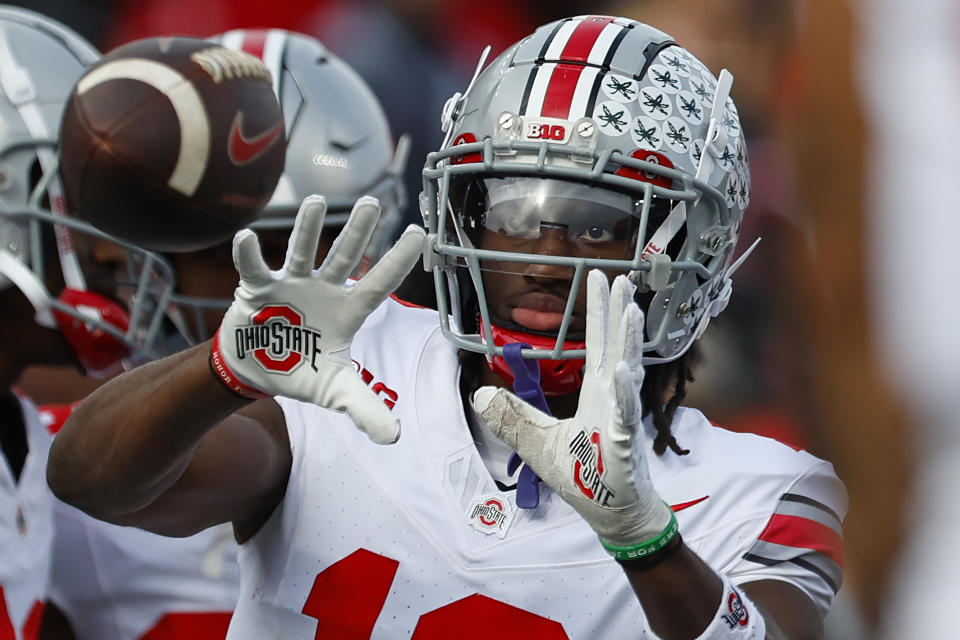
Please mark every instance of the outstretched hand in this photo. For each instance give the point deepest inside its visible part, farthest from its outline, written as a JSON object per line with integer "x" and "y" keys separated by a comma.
{"x": 596, "y": 460}
{"x": 288, "y": 332}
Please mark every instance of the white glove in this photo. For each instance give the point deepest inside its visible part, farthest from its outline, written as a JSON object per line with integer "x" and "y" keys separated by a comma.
{"x": 288, "y": 332}
{"x": 596, "y": 460}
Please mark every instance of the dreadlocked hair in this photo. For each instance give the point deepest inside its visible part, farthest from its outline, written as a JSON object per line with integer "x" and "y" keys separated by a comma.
{"x": 658, "y": 380}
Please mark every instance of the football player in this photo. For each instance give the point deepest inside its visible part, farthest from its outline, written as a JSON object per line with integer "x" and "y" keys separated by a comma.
{"x": 60, "y": 302}
{"x": 586, "y": 503}
{"x": 125, "y": 583}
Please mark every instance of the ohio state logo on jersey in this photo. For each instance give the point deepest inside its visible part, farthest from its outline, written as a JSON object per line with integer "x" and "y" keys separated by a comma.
{"x": 588, "y": 467}
{"x": 491, "y": 514}
{"x": 278, "y": 340}
{"x": 737, "y": 615}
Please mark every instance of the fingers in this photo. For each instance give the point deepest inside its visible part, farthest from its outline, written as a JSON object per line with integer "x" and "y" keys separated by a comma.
{"x": 508, "y": 418}
{"x": 349, "y": 394}
{"x": 347, "y": 249}
{"x": 598, "y": 294}
{"x": 248, "y": 259}
{"x": 390, "y": 270}
{"x": 627, "y": 397}
{"x": 632, "y": 329}
{"x": 621, "y": 297}
{"x": 305, "y": 237}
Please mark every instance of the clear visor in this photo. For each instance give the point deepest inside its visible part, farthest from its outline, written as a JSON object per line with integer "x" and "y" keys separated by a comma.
{"x": 526, "y": 244}
{"x": 546, "y": 219}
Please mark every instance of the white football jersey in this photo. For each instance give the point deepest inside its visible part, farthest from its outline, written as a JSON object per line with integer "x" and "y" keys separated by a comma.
{"x": 26, "y": 533}
{"x": 124, "y": 583}
{"x": 414, "y": 540}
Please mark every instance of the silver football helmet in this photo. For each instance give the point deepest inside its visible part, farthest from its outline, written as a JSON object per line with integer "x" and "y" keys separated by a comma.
{"x": 339, "y": 143}
{"x": 602, "y": 127}
{"x": 40, "y": 61}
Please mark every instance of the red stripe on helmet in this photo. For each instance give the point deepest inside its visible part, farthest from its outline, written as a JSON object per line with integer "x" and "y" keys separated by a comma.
{"x": 563, "y": 83}
{"x": 583, "y": 38}
{"x": 254, "y": 41}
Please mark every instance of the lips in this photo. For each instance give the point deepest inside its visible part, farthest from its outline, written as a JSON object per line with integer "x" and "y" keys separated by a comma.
{"x": 539, "y": 311}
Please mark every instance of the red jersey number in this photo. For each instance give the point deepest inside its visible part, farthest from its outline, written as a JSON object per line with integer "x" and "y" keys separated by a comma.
{"x": 347, "y": 597}
{"x": 31, "y": 626}
{"x": 190, "y": 626}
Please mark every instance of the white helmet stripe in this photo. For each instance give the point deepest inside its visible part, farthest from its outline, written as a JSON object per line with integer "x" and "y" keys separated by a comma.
{"x": 560, "y": 40}
{"x": 598, "y": 54}
{"x": 273, "y": 56}
{"x": 579, "y": 105}
{"x": 579, "y": 43}
{"x": 265, "y": 44}
{"x": 541, "y": 82}
{"x": 233, "y": 40}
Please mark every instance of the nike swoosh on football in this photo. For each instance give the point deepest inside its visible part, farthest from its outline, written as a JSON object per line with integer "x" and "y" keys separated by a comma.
{"x": 243, "y": 149}
{"x": 687, "y": 505}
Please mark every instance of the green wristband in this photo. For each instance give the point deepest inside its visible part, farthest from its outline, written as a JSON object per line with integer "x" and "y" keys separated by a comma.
{"x": 644, "y": 549}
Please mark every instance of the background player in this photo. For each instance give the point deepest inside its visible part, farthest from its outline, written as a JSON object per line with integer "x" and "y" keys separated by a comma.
{"x": 121, "y": 582}
{"x": 527, "y": 218}
{"x": 59, "y": 301}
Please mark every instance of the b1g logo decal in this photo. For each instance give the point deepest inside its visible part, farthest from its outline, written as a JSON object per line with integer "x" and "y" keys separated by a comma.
{"x": 588, "y": 467}
{"x": 737, "y": 616}
{"x": 491, "y": 514}
{"x": 549, "y": 129}
{"x": 277, "y": 339}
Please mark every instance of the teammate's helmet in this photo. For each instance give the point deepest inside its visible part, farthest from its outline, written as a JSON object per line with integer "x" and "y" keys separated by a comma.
{"x": 40, "y": 61}
{"x": 596, "y": 125}
{"x": 339, "y": 143}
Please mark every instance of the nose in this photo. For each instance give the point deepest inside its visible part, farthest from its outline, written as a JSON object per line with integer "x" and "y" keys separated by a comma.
{"x": 553, "y": 242}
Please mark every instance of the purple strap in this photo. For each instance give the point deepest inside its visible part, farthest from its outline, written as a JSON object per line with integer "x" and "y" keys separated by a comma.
{"x": 526, "y": 385}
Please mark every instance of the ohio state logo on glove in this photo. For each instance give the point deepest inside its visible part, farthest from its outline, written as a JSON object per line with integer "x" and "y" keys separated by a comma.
{"x": 588, "y": 467}
{"x": 288, "y": 331}
{"x": 277, "y": 339}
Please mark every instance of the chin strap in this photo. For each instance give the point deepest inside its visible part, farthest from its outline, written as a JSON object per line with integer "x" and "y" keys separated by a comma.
{"x": 526, "y": 385}
{"x": 556, "y": 377}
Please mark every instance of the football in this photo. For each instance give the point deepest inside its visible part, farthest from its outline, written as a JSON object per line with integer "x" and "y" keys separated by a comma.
{"x": 172, "y": 144}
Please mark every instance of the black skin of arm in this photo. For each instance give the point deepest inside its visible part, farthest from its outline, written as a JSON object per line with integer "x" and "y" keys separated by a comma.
{"x": 168, "y": 448}
{"x": 681, "y": 595}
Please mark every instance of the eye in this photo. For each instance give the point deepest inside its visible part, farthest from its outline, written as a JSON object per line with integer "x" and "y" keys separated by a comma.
{"x": 596, "y": 234}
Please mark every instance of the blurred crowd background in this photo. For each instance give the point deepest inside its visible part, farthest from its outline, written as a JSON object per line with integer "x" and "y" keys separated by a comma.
{"x": 803, "y": 352}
